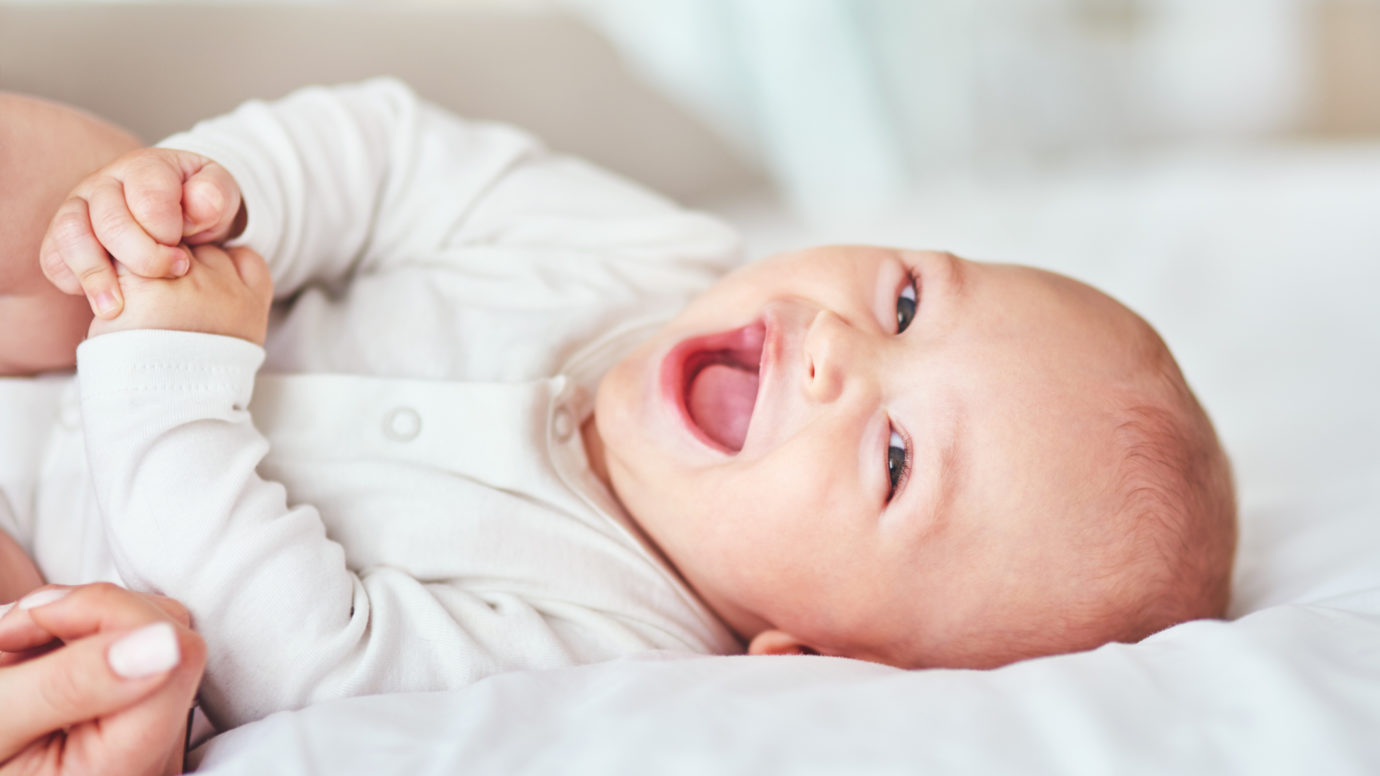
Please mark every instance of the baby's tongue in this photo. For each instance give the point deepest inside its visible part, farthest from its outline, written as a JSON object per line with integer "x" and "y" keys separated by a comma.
{"x": 720, "y": 401}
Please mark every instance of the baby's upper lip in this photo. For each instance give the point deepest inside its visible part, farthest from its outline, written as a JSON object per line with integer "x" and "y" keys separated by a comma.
{"x": 766, "y": 374}
{"x": 690, "y": 355}
{"x": 771, "y": 370}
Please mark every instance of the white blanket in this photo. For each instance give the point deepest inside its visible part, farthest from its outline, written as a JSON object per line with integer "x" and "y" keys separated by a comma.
{"x": 1261, "y": 270}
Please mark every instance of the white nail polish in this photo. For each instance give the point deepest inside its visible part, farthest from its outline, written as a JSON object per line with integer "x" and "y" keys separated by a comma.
{"x": 42, "y": 597}
{"x": 150, "y": 650}
{"x": 5, "y": 609}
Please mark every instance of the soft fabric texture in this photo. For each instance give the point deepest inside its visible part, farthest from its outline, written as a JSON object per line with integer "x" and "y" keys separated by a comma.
{"x": 406, "y": 504}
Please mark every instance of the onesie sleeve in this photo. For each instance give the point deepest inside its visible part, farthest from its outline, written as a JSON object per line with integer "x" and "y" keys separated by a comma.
{"x": 173, "y": 456}
{"x": 366, "y": 177}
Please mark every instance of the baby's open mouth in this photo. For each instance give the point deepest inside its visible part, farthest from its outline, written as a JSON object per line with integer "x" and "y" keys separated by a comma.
{"x": 721, "y": 374}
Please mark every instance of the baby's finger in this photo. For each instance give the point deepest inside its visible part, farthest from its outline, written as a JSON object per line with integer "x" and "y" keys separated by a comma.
{"x": 252, "y": 268}
{"x": 213, "y": 257}
{"x": 126, "y": 240}
{"x": 210, "y": 202}
{"x": 74, "y": 254}
{"x": 153, "y": 193}
{"x": 52, "y": 266}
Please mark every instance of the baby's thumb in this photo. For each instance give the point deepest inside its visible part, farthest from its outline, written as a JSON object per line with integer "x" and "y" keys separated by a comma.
{"x": 210, "y": 202}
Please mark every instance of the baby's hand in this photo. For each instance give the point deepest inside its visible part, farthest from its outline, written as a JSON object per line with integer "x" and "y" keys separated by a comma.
{"x": 223, "y": 292}
{"x": 138, "y": 211}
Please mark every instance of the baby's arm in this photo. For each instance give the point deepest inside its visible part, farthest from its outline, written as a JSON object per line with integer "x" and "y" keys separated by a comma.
{"x": 174, "y": 459}
{"x": 345, "y": 179}
{"x": 336, "y": 180}
{"x": 367, "y": 177}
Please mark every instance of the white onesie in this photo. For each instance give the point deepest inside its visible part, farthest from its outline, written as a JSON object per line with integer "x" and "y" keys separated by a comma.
{"x": 401, "y": 501}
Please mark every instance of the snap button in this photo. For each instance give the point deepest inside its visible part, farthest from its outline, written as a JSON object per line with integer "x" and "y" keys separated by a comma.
{"x": 403, "y": 424}
{"x": 562, "y": 424}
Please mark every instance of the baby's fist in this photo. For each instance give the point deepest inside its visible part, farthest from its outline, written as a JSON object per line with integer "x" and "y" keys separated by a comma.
{"x": 135, "y": 212}
{"x": 224, "y": 291}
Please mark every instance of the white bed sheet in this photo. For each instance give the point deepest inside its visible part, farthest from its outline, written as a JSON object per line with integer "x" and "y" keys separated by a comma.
{"x": 1261, "y": 269}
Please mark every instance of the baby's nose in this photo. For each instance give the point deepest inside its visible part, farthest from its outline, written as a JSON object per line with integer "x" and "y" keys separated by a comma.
{"x": 834, "y": 352}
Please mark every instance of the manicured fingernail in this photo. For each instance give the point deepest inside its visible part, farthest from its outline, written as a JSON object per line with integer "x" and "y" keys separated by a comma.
{"x": 105, "y": 303}
{"x": 150, "y": 650}
{"x": 180, "y": 267}
{"x": 42, "y": 597}
{"x": 5, "y": 609}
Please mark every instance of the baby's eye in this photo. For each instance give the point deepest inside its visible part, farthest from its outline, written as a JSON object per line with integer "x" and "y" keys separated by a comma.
{"x": 897, "y": 462}
{"x": 905, "y": 305}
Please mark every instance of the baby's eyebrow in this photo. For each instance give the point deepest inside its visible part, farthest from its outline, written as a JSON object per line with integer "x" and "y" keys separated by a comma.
{"x": 956, "y": 276}
{"x": 953, "y": 469}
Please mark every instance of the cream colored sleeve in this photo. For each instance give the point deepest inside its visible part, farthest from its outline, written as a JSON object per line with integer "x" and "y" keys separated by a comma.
{"x": 362, "y": 177}
{"x": 174, "y": 458}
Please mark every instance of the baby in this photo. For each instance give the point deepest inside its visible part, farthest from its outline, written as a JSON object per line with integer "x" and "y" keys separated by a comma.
{"x": 483, "y": 448}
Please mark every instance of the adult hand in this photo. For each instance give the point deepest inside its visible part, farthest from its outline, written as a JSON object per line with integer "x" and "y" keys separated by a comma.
{"x": 96, "y": 679}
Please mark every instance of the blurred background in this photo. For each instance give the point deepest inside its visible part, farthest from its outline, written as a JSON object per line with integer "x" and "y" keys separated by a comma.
{"x": 840, "y": 105}
{"x": 846, "y": 102}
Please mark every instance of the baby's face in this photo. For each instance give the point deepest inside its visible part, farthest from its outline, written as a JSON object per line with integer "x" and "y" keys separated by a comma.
{"x": 876, "y": 453}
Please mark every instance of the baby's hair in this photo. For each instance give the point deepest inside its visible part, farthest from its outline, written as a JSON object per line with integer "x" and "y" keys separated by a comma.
{"x": 1178, "y": 505}
{"x": 1162, "y": 545}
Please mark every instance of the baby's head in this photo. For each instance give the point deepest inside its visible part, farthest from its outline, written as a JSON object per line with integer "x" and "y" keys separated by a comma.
{"x": 910, "y": 458}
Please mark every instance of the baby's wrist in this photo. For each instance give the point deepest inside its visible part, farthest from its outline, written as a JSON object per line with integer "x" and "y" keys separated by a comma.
{"x": 253, "y": 334}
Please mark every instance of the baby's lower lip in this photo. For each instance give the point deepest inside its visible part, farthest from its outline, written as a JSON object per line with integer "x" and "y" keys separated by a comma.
{"x": 689, "y": 354}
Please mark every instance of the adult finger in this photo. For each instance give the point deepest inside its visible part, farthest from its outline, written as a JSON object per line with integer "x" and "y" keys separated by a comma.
{"x": 85, "y": 680}
{"x": 125, "y": 239}
{"x": 210, "y": 204}
{"x": 146, "y": 735}
{"x": 18, "y": 631}
{"x": 49, "y": 614}
{"x": 74, "y": 260}
{"x": 71, "y": 613}
{"x": 156, "y": 724}
{"x": 171, "y": 607}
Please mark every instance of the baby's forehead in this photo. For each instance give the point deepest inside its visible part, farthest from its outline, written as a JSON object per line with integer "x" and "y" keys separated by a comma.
{"x": 1052, "y": 291}
{"x": 1047, "y": 311}
{"x": 1036, "y": 469}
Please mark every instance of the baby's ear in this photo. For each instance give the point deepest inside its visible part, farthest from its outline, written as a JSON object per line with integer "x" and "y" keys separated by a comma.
{"x": 775, "y": 642}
